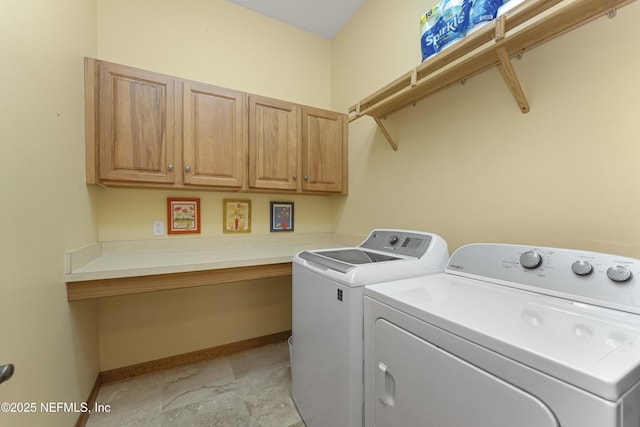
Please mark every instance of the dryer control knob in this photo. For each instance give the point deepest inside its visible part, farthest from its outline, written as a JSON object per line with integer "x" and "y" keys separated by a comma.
{"x": 581, "y": 268}
{"x": 619, "y": 273}
{"x": 530, "y": 259}
{"x": 393, "y": 239}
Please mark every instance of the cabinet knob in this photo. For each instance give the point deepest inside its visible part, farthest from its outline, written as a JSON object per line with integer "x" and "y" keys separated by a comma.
{"x": 306, "y": 177}
{"x": 295, "y": 176}
{"x": 170, "y": 167}
{"x": 187, "y": 168}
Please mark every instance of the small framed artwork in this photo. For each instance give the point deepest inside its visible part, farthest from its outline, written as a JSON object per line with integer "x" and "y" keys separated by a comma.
{"x": 236, "y": 216}
{"x": 281, "y": 216}
{"x": 183, "y": 215}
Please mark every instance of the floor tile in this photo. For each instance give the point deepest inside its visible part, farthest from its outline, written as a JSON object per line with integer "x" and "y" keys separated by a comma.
{"x": 251, "y": 388}
{"x": 248, "y": 361}
{"x": 223, "y": 410}
{"x": 131, "y": 403}
{"x": 197, "y": 382}
{"x": 267, "y": 394}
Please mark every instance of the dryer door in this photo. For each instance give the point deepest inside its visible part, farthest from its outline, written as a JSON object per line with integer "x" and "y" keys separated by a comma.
{"x": 419, "y": 384}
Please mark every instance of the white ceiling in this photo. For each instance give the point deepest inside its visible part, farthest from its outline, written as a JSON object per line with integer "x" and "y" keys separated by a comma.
{"x": 324, "y": 18}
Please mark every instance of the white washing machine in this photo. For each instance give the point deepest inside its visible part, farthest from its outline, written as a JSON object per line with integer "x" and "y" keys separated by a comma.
{"x": 507, "y": 336}
{"x": 327, "y": 319}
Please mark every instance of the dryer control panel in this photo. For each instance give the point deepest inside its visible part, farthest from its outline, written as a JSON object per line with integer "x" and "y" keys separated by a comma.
{"x": 590, "y": 277}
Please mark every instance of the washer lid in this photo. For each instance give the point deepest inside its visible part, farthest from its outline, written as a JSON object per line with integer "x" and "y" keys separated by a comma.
{"x": 593, "y": 348}
{"x": 364, "y": 273}
{"x": 343, "y": 260}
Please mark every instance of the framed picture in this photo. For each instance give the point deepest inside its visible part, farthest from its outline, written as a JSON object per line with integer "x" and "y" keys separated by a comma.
{"x": 183, "y": 215}
{"x": 281, "y": 216}
{"x": 236, "y": 216}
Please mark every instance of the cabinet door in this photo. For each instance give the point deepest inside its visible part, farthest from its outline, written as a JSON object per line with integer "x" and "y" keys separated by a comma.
{"x": 273, "y": 144}
{"x": 324, "y": 151}
{"x": 214, "y": 135}
{"x": 136, "y": 124}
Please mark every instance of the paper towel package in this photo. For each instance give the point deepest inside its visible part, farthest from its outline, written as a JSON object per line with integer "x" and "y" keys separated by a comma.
{"x": 429, "y": 34}
{"x": 450, "y": 20}
{"x": 481, "y": 12}
{"x": 443, "y": 25}
{"x": 454, "y": 21}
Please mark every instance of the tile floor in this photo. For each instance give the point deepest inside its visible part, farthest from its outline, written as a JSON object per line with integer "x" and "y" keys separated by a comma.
{"x": 251, "y": 388}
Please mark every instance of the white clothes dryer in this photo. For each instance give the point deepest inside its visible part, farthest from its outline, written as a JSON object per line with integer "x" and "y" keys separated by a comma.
{"x": 507, "y": 336}
{"x": 327, "y": 318}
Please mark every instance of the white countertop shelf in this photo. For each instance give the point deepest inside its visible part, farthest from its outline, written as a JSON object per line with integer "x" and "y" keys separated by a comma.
{"x": 112, "y": 266}
{"x": 125, "y": 267}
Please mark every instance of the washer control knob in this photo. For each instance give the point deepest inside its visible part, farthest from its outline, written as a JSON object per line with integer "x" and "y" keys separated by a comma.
{"x": 530, "y": 259}
{"x": 619, "y": 273}
{"x": 581, "y": 268}
{"x": 393, "y": 239}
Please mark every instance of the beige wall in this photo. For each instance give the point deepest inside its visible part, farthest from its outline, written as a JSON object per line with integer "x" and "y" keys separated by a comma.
{"x": 128, "y": 214}
{"x": 46, "y": 206}
{"x": 471, "y": 167}
{"x": 217, "y": 42}
{"x": 220, "y": 43}
{"x": 145, "y": 327}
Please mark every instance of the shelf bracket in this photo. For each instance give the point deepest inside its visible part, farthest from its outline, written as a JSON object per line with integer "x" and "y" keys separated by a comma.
{"x": 385, "y": 133}
{"x": 510, "y": 77}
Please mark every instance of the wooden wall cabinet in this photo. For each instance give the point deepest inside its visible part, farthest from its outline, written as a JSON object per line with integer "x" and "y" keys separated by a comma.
{"x": 149, "y": 129}
{"x": 324, "y": 150}
{"x": 136, "y": 125}
{"x": 296, "y": 148}
{"x": 274, "y": 156}
{"x": 214, "y": 136}
{"x": 145, "y": 129}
